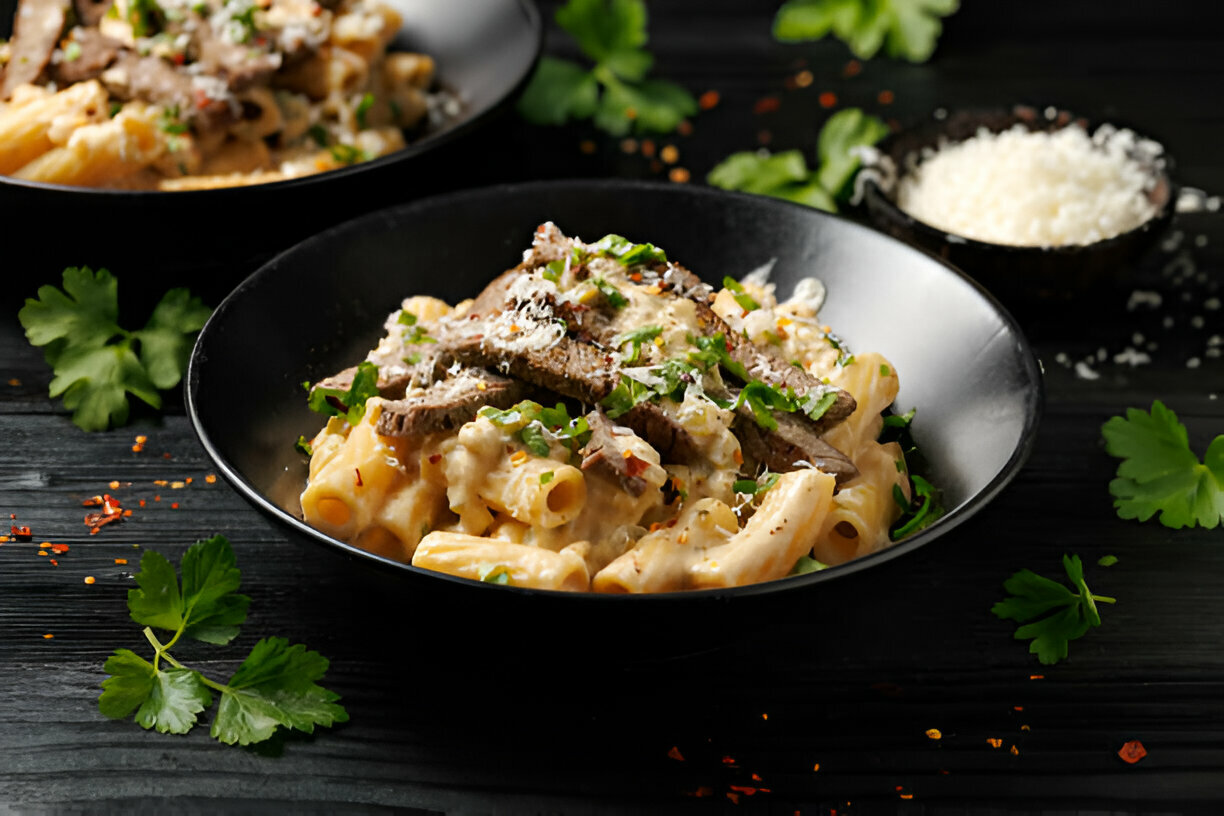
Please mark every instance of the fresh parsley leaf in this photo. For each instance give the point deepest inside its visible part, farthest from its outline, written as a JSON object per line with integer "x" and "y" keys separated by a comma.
{"x": 96, "y": 363}
{"x": 745, "y": 300}
{"x": 615, "y": 298}
{"x": 493, "y": 574}
{"x": 754, "y": 487}
{"x": 635, "y": 338}
{"x": 528, "y": 420}
{"x": 806, "y": 564}
{"x": 1107, "y": 560}
{"x": 1033, "y": 596}
{"x": 786, "y": 175}
{"x": 352, "y": 400}
{"x": 921, "y": 512}
{"x": 615, "y": 91}
{"x": 627, "y": 252}
{"x": 274, "y": 687}
{"x": 362, "y": 111}
{"x": 1160, "y": 474}
{"x": 906, "y": 29}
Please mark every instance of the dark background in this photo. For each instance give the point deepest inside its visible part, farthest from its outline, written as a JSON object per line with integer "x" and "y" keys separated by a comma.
{"x": 814, "y": 703}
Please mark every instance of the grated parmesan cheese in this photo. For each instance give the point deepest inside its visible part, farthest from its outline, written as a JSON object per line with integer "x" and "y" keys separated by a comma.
{"x": 1026, "y": 188}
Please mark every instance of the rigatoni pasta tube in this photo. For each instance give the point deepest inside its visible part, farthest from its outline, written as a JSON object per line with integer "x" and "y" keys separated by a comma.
{"x": 25, "y": 129}
{"x": 778, "y": 534}
{"x": 873, "y": 383}
{"x": 864, "y": 508}
{"x": 98, "y": 153}
{"x": 478, "y": 558}
{"x": 540, "y": 492}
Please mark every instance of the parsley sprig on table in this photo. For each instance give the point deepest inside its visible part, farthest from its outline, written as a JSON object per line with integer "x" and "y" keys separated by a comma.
{"x": 615, "y": 92}
{"x": 906, "y": 29}
{"x": 97, "y": 364}
{"x": 786, "y": 175}
{"x": 273, "y": 688}
{"x": 1160, "y": 474}
{"x": 1056, "y": 614}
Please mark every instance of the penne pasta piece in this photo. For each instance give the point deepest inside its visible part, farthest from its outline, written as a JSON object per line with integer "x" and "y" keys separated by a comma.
{"x": 27, "y": 124}
{"x": 480, "y": 559}
{"x": 100, "y": 152}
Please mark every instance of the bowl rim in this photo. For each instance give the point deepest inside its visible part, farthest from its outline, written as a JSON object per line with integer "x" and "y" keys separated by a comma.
{"x": 428, "y": 142}
{"x": 877, "y": 200}
{"x": 1030, "y": 368}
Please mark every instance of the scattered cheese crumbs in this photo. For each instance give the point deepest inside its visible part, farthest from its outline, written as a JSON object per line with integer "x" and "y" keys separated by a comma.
{"x": 1025, "y": 188}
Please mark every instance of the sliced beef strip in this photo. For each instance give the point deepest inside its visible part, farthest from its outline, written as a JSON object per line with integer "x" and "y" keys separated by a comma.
{"x": 570, "y": 368}
{"x": 449, "y": 403}
{"x": 238, "y": 64}
{"x": 149, "y": 78}
{"x": 602, "y": 455}
{"x": 36, "y": 30}
{"x": 795, "y": 440}
{"x": 97, "y": 53}
{"x": 90, "y": 12}
{"x": 430, "y": 369}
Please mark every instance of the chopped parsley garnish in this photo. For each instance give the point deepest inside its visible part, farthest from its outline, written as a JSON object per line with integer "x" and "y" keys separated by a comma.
{"x": 303, "y": 446}
{"x": 764, "y": 398}
{"x": 906, "y": 29}
{"x": 713, "y": 351}
{"x": 745, "y": 300}
{"x": 786, "y": 175}
{"x": 72, "y": 51}
{"x": 546, "y": 477}
{"x": 352, "y": 400}
{"x": 318, "y": 134}
{"x": 528, "y": 420}
{"x": 625, "y": 396}
{"x": 170, "y": 121}
{"x": 144, "y": 16}
{"x": 348, "y": 154}
{"x": 1033, "y": 596}
{"x": 627, "y": 252}
{"x": 615, "y": 91}
{"x": 363, "y": 110}
{"x": 919, "y": 513}
{"x": 96, "y": 363}
{"x": 806, "y": 564}
{"x": 609, "y": 291}
{"x": 553, "y": 270}
{"x": 755, "y": 487}
{"x": 635, "y": 339}
{"x": 493, "y": 574}
{"x": 273, "y": 688}
{"x": 1160, "y": 474}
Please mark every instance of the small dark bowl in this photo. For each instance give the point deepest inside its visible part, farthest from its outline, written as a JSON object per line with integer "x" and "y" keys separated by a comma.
{"x": 485, "y": 50}
{"x": 1026, "y": 279}
{"x": 315, "y": 309}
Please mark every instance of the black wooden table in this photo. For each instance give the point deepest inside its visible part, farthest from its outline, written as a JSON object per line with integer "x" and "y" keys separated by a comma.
{"x": 894, "y": 690}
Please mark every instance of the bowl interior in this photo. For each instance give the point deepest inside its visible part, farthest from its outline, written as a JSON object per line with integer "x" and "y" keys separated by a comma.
{"x": 485, "y": 51}
{"x": 317, "y": 308}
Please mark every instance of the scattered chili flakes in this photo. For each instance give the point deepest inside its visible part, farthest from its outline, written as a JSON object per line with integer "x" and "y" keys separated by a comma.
{"x": 708, "y": 100}
{"x": 675, "y": 754}
{"x": 188, "y": 480}
{"x": 43, "y": 553}
{"x": 211, "y": 478}
{"x": 54, "y": 563}
{"x": 764, "y": 715}
{"x": 1014, "y": 751}
{"x": 648, "y": 148}
{"x": 679, "y": 175}
{"x": 764, "y": 136}
{"x": 747, "y": 790}
{"x": 114, "y": 484}
{"x": 48, "y": 636}
{"x": 89, "y": 579}
{"x": 629, "y": 146}
{"x": 885, "y": 97}
{"x": 816, "y": 767}
{"x": 827, "y": 99}
{"x": 157, "y": 498}
{"x": 58, "y": 549}
{"x": 177, "y": 485}
{"x": 702, "y": 792}
{"x": 21, "y": 532}
{"x": 669, "y": 154}
{"x": 435, "y": 458}
{"x": 141, "y": 502}
{"x": 1132, "y": 751}
{"x": 1025, "y": 728}
{"x": 587, "y": 146}
{"x": 1036, "y": 676}
{"x": 1017, "y": 708}
{"x": 174, "y": 505}
{"x": 111, "y": 511}
{"x": 803, "y": 79}
{"x": 728, "y": 760}
{"x": 852, "y": 68}
{"x": 906, "y": 795}
{"x": 994, "y": 742}
{"x": 121, "y": 561}
{"x": 13, "y": 381}
{"x": 934, "y": 733}
{"x": 767, "y": 104}
{"x": 166, "y": 455}
{"x": 685, "y": 127}
{"x": 734, "y": 797}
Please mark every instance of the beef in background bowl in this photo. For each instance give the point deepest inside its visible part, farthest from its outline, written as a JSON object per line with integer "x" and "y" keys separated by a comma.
{"x": 1028, "y": 279}
{"x": 484, "y": 50}
{"x": 320, "y": 306}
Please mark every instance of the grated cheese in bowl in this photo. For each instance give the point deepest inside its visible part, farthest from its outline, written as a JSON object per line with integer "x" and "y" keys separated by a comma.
{"x": 1034, "y": 188}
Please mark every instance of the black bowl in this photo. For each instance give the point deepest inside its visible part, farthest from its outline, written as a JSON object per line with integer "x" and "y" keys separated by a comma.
{"x": 1026, "y": 279}
{"x": 319, "y": 307}
{"x": 485, "y": 51}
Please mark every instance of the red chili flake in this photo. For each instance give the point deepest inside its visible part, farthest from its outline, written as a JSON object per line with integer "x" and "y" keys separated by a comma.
{"x": 12, "y": 515}
{"x": 21, "y": 533}
{"x": 43, "y": 553}
{"x": 635, "y": 466}
{"x": 708, "y": 100}
{"x": 648, "y": 148}
{"x": 885, "y": 97}
{"x": 48, "y": 636}
{"x": 747, "y": 790}
{"x": 827, "y": 99}
{"x": 435, "y": 458}
{"x": 59, "y": 549}
{"x": 141, "y": 502}
{"x": 685, "y": 127}
{"x": 764, "y": 136}
{"x": 174, "y": 505}
{"x": 587, "y": 146}
{"x": 201, "y": 99}
{"x": 767, "y": 104}
{"x": 121, "y": 561}
{"x": 14, "y": 382}
{"x": 702, "y": 791}
{"x": 359, "y": 482}
{"x": 1036, "y": 676}
{"x": 211, "y": 478}
{"x": 89, "y": 579}
{"x": 675, "y": 754}
{"x": 166, "y": 455}
{"x": 852, "y": 68}
{"x": 816, "y": 767}
{"x": 157, "y": 498}
{"x": 1014, "y": 751}
{"x": 734, "y": 797}
{"x": 728, "y": 760}
{"x": 1017, "y": 708}
{"x": 1132, "y": 751}
{"x": 54, "y": 563}
{"x": 994, "y": 742}
{"x": 111, "y": 511}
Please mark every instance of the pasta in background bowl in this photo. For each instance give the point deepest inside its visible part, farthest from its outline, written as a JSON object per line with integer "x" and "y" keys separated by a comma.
{"x": 232, "y": 125}
{"x": 969, "y": 377}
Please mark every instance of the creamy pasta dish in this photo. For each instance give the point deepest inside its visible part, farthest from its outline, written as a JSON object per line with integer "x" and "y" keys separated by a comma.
{"x": 600, "y": 419}
{"x": 197, "y": 94}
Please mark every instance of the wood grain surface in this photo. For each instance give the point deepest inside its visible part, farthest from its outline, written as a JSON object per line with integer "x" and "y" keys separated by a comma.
{"x": 813, "y": 703}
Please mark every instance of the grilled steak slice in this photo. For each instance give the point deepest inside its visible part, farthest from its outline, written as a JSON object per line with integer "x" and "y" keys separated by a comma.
{"x": 97, "y": 53}
{"x": 448, "y": 404}
{"x": 795, "y": 440}
{"x": 90, "y": 12}
{"x": 36, "y": 30}
{"x": 602, "y": 455}
{"x": 239, "y": 64}
{"x": 570, "y": 368}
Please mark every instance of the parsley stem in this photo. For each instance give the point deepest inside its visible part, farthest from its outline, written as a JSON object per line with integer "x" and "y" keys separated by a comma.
{"x": 1103, "y": 599}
